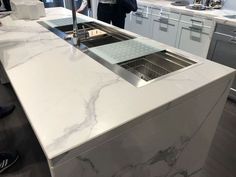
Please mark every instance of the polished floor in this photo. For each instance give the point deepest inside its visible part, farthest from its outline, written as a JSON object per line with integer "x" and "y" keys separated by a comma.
{"x": 16, "y": 133}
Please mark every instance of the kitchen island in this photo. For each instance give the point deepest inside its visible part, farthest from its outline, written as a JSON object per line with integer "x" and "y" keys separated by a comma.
{"x": 92, "y": 123}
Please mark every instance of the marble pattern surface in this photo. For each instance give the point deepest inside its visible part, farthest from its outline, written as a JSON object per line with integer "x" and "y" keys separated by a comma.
{"x": 173, "y": 143}
{"x": 70, "y": 99}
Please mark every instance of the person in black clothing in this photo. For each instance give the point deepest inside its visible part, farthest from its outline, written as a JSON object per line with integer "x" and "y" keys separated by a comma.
{"x": 6, "y": 110}
{"x": 7, "y": 159}
{"x": 7, "y": 4}
{"x": 110, "y": 11}
{"x": 82, "y": 6}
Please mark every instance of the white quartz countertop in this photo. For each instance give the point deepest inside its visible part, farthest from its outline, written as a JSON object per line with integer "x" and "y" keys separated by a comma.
{"x": 216, "y": 14}
{"x": 69, "y": 98}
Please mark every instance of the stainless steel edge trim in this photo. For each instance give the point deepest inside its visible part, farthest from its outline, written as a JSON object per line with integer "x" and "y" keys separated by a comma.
{"x": 120, "y": 71}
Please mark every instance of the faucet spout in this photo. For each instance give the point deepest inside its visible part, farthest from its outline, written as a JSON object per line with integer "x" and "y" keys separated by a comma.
{"x": 75, "y": 37}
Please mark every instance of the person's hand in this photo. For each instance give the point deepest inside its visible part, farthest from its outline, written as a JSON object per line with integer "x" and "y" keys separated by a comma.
{"x": 79, "y": 11}
{"x": 82, "y": 6}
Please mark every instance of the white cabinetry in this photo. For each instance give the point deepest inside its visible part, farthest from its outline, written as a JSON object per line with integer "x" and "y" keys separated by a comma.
{"x": 139, "y": 22}
{"x": 190, "y": 33}
{"x": 164, "y": 26}
{"x": 194, "y": 34}
{"x": 128, "y": 22}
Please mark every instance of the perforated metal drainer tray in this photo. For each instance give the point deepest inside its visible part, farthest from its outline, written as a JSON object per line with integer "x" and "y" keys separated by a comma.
{"x": 124, "y": 50}
{"x": 156, "y": 65}
{"x": 144, "y": 69}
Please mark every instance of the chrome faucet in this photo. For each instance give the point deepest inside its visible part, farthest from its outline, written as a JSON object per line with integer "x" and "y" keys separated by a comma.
{"x": 75, "y": 36}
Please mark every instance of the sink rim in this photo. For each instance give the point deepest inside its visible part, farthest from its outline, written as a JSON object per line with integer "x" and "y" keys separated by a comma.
{"x": 131, "y": 77}
{"x": 64, "y": 34}
{"x": 116, "y": 68}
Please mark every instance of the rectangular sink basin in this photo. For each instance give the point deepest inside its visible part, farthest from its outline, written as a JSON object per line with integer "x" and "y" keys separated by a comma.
{"x": 110, "y": 35}
{"x": 144, "y": 70}
{"x": 138, "y": 63}
{"x": 156, "y": 65}
{"x": 69, "y": 28}
{"x": 230, "y": 16}
{"x": 101, "y": 40}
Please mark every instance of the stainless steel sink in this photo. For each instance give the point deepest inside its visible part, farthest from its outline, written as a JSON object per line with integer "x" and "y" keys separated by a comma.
{"x": 230, "y": 16}
{"x": 147, "y": 69}
{"x": 110, "y": 35}
{"x": 156, "y": 65}
{"x": 139, "y": 70}
{"x": 69, "y": 28}
{"x": 101, "y": 40}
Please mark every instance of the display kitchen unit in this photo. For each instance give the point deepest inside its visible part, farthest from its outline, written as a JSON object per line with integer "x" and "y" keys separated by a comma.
{"x": 116, "y": 104}
{"x": 209, "y": 33}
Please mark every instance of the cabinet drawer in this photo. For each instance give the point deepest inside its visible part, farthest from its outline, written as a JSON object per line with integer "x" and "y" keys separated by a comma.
{"x": 156, "y": 11}
{"x": 196, "y": 25}
{"x": 195, "y": 41}
{"x": 143, "y": 9}
{"x": 165, "y": 20}
{"x": 139, "y": 21}
{"x": 196, "y": 28}
{"x": 141, "y": 26}
{"x": 164, "y": 31}
{"x": 197, "y": 20}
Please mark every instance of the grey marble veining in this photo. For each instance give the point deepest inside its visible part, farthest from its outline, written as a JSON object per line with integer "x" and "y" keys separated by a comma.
{"x": 90, "y": 117}
{"x": 71, "y": 99}
{"x": 28, "y": 36}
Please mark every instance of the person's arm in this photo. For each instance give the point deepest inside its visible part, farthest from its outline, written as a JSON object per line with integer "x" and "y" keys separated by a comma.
{"x": 83, "y": 6}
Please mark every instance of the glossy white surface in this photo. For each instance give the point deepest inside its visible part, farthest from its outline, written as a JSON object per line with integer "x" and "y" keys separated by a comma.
{"x": 217, "y": 14}
{"x": 167, "y": 4}
{"x": 71, "y": 99}
{"x": 170, "y": 143}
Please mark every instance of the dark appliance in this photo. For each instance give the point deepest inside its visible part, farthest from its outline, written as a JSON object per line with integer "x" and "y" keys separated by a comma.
{"x": 223, "y": 49}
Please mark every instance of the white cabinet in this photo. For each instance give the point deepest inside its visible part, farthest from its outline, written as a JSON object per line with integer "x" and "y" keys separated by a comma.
{"x": 139, "y": 22}
{"x": 194, "y": 35}
{"x": 164, "y": 26}
{"x": 190, "y": 33}
{"x": 128, "y": 22}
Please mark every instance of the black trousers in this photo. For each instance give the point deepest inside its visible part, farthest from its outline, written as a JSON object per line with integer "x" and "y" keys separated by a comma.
{"x": 7, "y": 5}
{"x": 111, "y": 13}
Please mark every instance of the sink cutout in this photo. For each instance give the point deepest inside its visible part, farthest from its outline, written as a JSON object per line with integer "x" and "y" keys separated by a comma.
{"x": 140, "y": 61}
{"x": 86, "y": 30}
{"x": 156, "y": 65}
